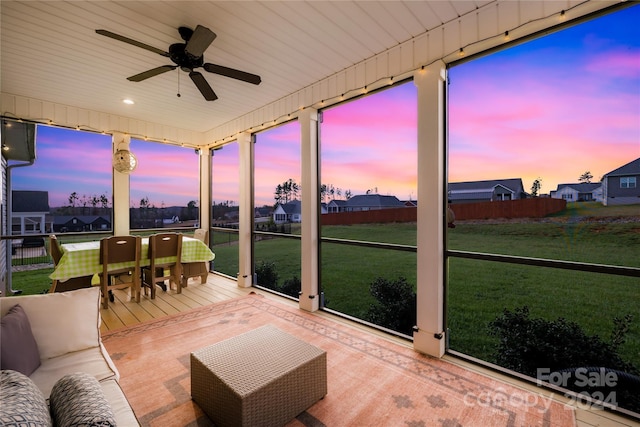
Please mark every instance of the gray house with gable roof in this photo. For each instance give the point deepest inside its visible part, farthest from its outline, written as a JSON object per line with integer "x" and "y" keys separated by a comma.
{"x": 622, "y": 186}
{"x": 370, "y": 202}
{"x": 486, "y": 191}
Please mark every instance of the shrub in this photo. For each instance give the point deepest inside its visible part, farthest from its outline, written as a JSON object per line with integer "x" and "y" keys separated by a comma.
{"x": 560, "y": 346}
{"x": 395, "y": 307}
{"x": 267, "y": 275}
{"x": 291, "y": 287}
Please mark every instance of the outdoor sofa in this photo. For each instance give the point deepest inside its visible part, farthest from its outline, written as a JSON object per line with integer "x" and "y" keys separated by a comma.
{"x": 68, "y": 370}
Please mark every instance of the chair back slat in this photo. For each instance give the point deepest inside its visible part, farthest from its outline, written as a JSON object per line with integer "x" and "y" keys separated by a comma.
{"x": 164, "y": 245}
{"x": 54, "y": 249}
{"x": 202, "y": 234}
{"x": 119, "y": 249}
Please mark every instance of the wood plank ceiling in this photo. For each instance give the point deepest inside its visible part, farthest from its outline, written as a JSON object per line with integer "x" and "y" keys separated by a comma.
{"x": 51, "y": 52}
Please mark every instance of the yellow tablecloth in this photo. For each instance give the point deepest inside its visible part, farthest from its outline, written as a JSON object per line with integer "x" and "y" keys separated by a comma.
{"x": 83, "y": 259}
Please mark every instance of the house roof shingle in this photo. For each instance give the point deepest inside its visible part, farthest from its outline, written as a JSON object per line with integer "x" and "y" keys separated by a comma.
{"x": 581, "y": 187}
{"x": 374, "y": 200}
{"x": 29, "y": 201}
{"x": 631, "y": 168}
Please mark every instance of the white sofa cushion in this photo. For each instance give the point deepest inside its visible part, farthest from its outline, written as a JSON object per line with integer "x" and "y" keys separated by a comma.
{"x": 122, "y": 411}
{"x": 93, "y": 361}
{"x": 61, "y": 322}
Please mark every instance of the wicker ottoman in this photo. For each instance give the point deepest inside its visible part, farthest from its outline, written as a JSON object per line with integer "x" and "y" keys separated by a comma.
{"x": 264, "y": 377}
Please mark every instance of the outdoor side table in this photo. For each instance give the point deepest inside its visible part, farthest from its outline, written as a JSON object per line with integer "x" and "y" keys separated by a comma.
{"x": 264, "y": 377}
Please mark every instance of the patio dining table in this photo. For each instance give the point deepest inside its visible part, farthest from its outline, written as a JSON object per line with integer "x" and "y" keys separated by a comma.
{"x": 83, "y": 259}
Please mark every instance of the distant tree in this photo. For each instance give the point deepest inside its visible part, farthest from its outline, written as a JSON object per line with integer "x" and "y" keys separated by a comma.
{"x": 104, "y": 200}
{"x": 287, "y": 191}
{"x": 536, "y": 186}
{"x": 586, "y": 177}
{"x": 347, "y": 194}
{"x": 192, "y": 209}
{"x": 73, "y": 199}
{"x": 94, "y": 201}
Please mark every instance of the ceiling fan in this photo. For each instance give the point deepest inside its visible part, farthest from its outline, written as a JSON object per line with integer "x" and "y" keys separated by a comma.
{"x": 187, "y": 56}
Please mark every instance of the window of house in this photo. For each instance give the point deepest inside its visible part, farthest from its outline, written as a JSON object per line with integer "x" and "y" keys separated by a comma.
{"x": 517, "y": 275}
{"x": 628, "y": 182}
{"x": 165, "y": 187}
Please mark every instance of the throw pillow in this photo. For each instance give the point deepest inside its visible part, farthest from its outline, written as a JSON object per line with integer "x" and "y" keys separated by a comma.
{"x": 22, "y": 402}
{"x": 18, "y": 347}
{"x": 77, "y": 400}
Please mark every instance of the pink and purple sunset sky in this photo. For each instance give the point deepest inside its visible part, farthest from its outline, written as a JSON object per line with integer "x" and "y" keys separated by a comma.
{"x": 552, "y": 108}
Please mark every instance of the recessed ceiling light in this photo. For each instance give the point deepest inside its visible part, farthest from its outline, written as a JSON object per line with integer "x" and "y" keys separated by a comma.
{"x": 128, "y": 101}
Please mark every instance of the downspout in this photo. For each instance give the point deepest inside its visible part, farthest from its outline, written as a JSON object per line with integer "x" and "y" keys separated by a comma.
{"x": 10, "y": 290}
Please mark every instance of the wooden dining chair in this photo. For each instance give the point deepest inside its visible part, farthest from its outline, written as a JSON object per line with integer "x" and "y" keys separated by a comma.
{"x": 165, "y": 253}
{"x": 196, "y": 269}
{"x": 117, "y": 250}
{"x": 70, "y": 284}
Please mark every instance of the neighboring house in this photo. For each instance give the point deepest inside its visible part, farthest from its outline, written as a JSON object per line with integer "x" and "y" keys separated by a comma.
{"x": 622, "y": 186}
{"x": 28, "y": 211}
{"x": 486, "y": 191}
{"x": 173, "y": 220}
{"x": 263, "y": 212}
{"x": 336, "y": 206}
{"x": 79, "y": 223}
{"x": 370, "y": 202}
{"x": 581, "y": 192}
{"x": 410, "y": 203}
{"x": 288, "y": 212}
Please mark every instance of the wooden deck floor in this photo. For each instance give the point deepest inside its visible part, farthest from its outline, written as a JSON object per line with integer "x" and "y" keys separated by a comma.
{"x": 125, "y": 312}
{"x": 218, "y": 288}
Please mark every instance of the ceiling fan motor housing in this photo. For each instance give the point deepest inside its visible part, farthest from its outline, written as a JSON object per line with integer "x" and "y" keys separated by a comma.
{"x": 181, "y": 58}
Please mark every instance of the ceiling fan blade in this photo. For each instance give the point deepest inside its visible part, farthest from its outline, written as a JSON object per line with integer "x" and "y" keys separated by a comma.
{"x": 203, "y": 86}
{"x": 150, "y": 73}
{"x": 132, "y": 42}
{"x": 234, "y": 74}
{"x": 200, "y": 40}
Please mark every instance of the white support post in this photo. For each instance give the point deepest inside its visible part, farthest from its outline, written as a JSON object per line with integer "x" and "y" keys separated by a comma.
{"x": 205, "y": 188}
{"x": 429, "y": 337}
{"x": 121, "y": 189}
{"x": 245, "y": 244}
{"x": 309, "y": 298}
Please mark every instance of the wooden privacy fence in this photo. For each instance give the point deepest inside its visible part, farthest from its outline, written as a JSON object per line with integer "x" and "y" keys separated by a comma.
{"x": 524, "y": 208}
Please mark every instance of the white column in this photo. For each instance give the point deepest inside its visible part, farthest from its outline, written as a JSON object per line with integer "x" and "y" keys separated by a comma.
{"x": 309, "y": 299}
{"x": 245, "y": 244}
{"x": 205, "y": 188}
{"x": 429, "y": 337}
{"x": 121, "y": 189}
